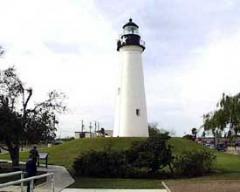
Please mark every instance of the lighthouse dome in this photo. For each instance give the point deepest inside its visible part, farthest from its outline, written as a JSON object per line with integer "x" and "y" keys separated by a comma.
{"x": 130, "y": 28}
{"x": 130, "y": 23}
{"x": 130, "y": 36}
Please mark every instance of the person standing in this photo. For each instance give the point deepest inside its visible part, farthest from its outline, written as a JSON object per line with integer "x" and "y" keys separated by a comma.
{"x": 35, "y": 155}
{"x": 31, "y": 169}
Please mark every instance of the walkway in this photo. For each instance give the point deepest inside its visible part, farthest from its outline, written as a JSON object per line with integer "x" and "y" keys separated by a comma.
{"x": 114, "y": 190}
{"x": 205, "y": 185}
{"x": 62, "y": 178}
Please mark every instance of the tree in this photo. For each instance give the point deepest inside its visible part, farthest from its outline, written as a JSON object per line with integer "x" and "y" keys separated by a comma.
{"x": 230, "y": 110}
{"x": 1, "y": 51}
{"x": 10, "y": 130}
{"x": 18, "y": 122}
{"x": 189, "y": 137}
{"x": 227, "y": 115}
{"x": 194, "y": 133}
{"x": 102, "y": 132}
{"x": 154, "y": 130}
{"x": 204, "y": 134}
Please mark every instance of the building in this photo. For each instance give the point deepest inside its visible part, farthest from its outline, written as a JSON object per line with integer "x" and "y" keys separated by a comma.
{"x": 131, "y": 113}
{"x": 87, "y": 134}
{"x": 84, "y": 134}
{"x": 108, "y": 133}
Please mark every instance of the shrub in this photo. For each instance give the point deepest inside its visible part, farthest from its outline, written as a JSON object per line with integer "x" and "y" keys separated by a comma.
{"x": 153, "y": 154}
{"x": 194, "y": 163}
{"x": 101, "y": 164}
{"x": 189, "y": 137}
{"x": 143, "y": 159}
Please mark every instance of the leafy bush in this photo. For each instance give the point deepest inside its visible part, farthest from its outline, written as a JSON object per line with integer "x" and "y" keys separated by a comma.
{"x": 189, "y": 137}
{"x": 143, "y": 159}
{"x": 101, "y": 164}
{"x": 153, "y": 131}
{"x": 194, "y": 163}
{"x": 150, "y": 158}
{"x": 153, "y": 154}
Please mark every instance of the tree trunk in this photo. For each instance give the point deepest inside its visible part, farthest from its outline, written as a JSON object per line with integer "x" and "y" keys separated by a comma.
{"x": 14, "y": 154}
{"x": 170, "y": 167}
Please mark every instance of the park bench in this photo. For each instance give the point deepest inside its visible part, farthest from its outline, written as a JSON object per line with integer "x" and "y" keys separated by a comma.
{"x": 43, "y": 156}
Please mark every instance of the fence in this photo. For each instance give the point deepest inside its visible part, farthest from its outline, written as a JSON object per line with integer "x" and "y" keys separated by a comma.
{"x": 29, "y": 179}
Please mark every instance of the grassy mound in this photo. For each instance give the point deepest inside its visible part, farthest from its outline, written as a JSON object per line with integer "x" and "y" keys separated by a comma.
{"x": 227, "y": 166}
{"x": 65, "y": 154}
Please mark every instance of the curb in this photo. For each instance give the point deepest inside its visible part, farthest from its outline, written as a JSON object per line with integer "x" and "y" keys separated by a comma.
{"x": 165, "y": 186}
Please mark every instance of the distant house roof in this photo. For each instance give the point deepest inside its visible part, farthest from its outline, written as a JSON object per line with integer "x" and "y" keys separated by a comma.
{"x": 82, "y": 132}
{"x": 109, "y": 132}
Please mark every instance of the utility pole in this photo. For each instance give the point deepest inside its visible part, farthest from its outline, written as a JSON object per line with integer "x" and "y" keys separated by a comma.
{"x": 95, "y": 125}
{"x": 90, "y": 127}
{"x": 82, "y": 126}
{"x": 98, "y": 126}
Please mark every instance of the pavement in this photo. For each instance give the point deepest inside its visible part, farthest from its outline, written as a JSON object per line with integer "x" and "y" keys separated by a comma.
{"x": 114, "y": 190}
{"x": 17, "y": 189}
{"x": 63, "y": 179}
{"x": 217, "y": 185}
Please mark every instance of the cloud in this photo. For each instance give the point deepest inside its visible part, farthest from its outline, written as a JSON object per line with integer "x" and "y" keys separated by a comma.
{"x": 180, "y": 95}
{"x": 62, "y": 45}
{"x": 191, "y": 55}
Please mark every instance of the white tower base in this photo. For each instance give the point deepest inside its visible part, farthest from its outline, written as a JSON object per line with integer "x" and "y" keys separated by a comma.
{"x": 131, "y": 114}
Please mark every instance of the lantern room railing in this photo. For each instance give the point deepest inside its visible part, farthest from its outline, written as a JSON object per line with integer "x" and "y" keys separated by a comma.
{"x": 130, "y": 39}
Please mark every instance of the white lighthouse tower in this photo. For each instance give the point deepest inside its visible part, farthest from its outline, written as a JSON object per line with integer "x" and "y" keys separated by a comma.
{"x": 131, "y": 113}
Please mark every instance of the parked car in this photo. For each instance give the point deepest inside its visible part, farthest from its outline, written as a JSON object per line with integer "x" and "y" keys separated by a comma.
{"x": 221, "y": 147}
{"x": 237, "y": 144}
{"x": 57, "y": 142}
{"x": 209, "y": 145}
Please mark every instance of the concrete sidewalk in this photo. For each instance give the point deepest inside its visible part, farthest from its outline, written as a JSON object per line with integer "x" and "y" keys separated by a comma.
{"x": 114, "y": 190}
{"x": 62, "y": 177}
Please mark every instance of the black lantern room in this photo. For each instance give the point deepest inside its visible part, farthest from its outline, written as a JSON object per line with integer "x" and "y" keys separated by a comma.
{"x": 130, "y": 36}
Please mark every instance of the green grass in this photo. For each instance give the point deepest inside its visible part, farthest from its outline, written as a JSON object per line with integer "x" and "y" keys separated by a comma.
{"x": 65, "y": 154}
{"x": 117, "y": 183}
{"x": 227, "y": 166}
{"x": 179, "y": 145}
{"x": 228, "y": 163}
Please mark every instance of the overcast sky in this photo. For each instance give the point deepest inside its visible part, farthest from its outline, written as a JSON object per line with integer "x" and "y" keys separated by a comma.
{"x": 192, "y": 55}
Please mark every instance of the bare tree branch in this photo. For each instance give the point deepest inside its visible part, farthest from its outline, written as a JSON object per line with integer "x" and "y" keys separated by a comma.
{"x": 25, "y": 103}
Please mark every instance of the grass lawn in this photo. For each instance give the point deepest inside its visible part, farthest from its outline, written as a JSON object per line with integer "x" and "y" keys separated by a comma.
{"x": 227, "y": 166}
{"x": 65, "y": 154}
{"x": 117, "y": 183}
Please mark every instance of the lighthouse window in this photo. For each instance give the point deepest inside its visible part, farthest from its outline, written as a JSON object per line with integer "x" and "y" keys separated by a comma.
{"x": 119, "y": 91}
{"x": 138, "y": 112}
{"x": 130, "y": 30}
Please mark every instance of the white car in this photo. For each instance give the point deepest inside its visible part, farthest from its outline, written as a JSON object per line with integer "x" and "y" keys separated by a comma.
{"x": 211, "y": 146}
